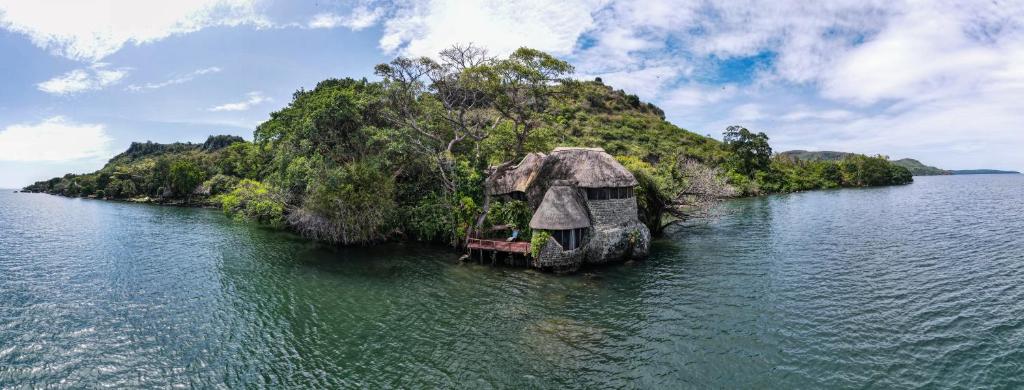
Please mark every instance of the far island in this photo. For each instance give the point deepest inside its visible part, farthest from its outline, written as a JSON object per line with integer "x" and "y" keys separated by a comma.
{"x": 914, "y": 166}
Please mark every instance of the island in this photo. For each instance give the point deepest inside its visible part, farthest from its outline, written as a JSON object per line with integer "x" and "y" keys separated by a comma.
{"x": 448, "y": 151}
{"x": 983, "y": 172}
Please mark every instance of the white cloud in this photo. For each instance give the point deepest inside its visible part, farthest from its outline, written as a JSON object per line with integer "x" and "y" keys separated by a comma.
{"x": 175, "y": 80}
{"x": 96, "y": 77}
{"x": 54, "y": 139}
{"x": 926, "y": 53}
{"x": 326, "y": 20}
{"x": 361, "y": 17}
{"x": 92, "y": 30}
{"x": 826, "y": 115}
{"x": 252, "y": 99}
{"x": 423, "y": 29}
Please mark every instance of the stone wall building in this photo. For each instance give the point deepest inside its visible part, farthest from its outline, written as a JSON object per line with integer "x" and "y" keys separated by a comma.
{"x": 584, "y": 199}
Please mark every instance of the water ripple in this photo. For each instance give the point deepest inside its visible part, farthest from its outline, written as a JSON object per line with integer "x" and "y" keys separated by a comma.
{"x": 912, "y": 286}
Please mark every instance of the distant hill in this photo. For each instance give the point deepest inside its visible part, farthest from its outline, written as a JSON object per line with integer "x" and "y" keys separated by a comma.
{"x": 983, "y": 172}
{"x": 816, "y": 156}
{"x": 918, "y": 169}
{"x": 139, "y": 150}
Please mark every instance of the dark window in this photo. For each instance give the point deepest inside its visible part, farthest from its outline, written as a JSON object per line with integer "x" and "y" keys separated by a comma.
{"x": 609, "y": 193}
{"x": 569, "y": 239}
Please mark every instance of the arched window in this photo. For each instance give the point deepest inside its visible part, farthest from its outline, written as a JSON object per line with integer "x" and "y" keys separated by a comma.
{"x": 569, "y": 239}
{"x": 606, "y": 193}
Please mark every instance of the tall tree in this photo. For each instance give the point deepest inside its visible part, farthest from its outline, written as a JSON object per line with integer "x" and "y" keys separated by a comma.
{"x": 184, "y": 176}
{"x": 522, "y": 87}
{"x": 441, "y": 105}
{"x": 750, "y": 152}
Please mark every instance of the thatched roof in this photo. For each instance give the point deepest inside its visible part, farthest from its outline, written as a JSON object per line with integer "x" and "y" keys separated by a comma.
{"x": 588, "y": 167}
{"x": 581, "y": 167}
{"x": 509, "y": 178}
{"x": 562, "y": 209}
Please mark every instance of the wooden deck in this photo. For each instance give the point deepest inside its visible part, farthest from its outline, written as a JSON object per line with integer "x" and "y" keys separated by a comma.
{"x": 518, "y": 247}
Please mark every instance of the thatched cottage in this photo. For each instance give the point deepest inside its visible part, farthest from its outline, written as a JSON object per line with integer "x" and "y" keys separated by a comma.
{"x": 583, "y": 198}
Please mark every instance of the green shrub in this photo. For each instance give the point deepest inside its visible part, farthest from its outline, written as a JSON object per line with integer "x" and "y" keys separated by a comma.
{"x": 221, "y": 184}
{"x": 255, "y": 201}
{"x": 515, "y": 213}
{"x": 350, "y": 204}
{"x": 185, "y": 176}
{"x": 540, "y": 238}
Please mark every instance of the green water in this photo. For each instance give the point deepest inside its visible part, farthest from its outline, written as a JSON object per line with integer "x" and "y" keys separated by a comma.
{"x": 907, "y": 286}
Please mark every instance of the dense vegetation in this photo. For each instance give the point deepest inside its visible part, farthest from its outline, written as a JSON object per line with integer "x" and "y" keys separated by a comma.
{"x": 355, "y": 161}
{"x": 822, "y": 155}
{"x": 915, "y": 167}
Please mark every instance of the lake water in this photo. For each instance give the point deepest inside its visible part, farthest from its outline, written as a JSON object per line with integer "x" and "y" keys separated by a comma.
{"x": 918, "y": 285}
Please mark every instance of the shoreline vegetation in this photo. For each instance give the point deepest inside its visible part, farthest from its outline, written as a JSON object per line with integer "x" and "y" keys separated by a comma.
{"x": 357, "y": 162}
{"x": 916, "y": 167}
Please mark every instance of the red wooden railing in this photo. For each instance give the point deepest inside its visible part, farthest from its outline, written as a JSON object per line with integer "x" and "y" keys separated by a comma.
{"x": 499, "y": 245}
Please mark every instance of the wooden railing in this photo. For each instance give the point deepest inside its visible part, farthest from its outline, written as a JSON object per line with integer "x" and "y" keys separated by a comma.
{"x": 499, "y": 245}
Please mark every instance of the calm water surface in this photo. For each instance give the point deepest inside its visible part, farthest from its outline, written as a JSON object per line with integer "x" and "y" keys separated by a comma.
{"x": 919, "y": 285}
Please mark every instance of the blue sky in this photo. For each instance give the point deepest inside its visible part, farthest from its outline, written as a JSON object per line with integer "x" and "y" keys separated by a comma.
{"x": 941, "y": 81}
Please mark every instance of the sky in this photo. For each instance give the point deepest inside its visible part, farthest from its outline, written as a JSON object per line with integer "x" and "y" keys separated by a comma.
{"x": 939, "y": 81}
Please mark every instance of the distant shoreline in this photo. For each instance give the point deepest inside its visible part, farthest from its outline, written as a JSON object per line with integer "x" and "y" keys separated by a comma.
{"x": 982, "y": 172}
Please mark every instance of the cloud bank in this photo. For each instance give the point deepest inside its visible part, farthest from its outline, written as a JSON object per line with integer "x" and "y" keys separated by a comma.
{"x": 938, "y": 80}
{"x": 53, "y": 139}
{"x": 92, "y": 30}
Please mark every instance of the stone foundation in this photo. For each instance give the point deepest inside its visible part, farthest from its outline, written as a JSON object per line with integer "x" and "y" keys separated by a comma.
{"x": 617, "y": 243}
{"x": 616, "y": 235}
{"x": 552, "y": 257}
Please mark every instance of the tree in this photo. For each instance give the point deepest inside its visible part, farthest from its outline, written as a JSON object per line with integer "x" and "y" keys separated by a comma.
{"x": 702, "y": 189}
{"x": 441, "y": 102}
{"x": 750, "y": 152}
{"x": 687, "y": 191}
{"x": 522, "y": 87}
{"x": 184, "y": 177}
{"x": 158, "y": 178}
{"x": 241, "y": 159}
{"x": 440, "y": 105}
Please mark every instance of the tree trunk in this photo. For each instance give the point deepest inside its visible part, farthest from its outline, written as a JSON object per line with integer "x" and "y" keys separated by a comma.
{"x": 480, "y": 218}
